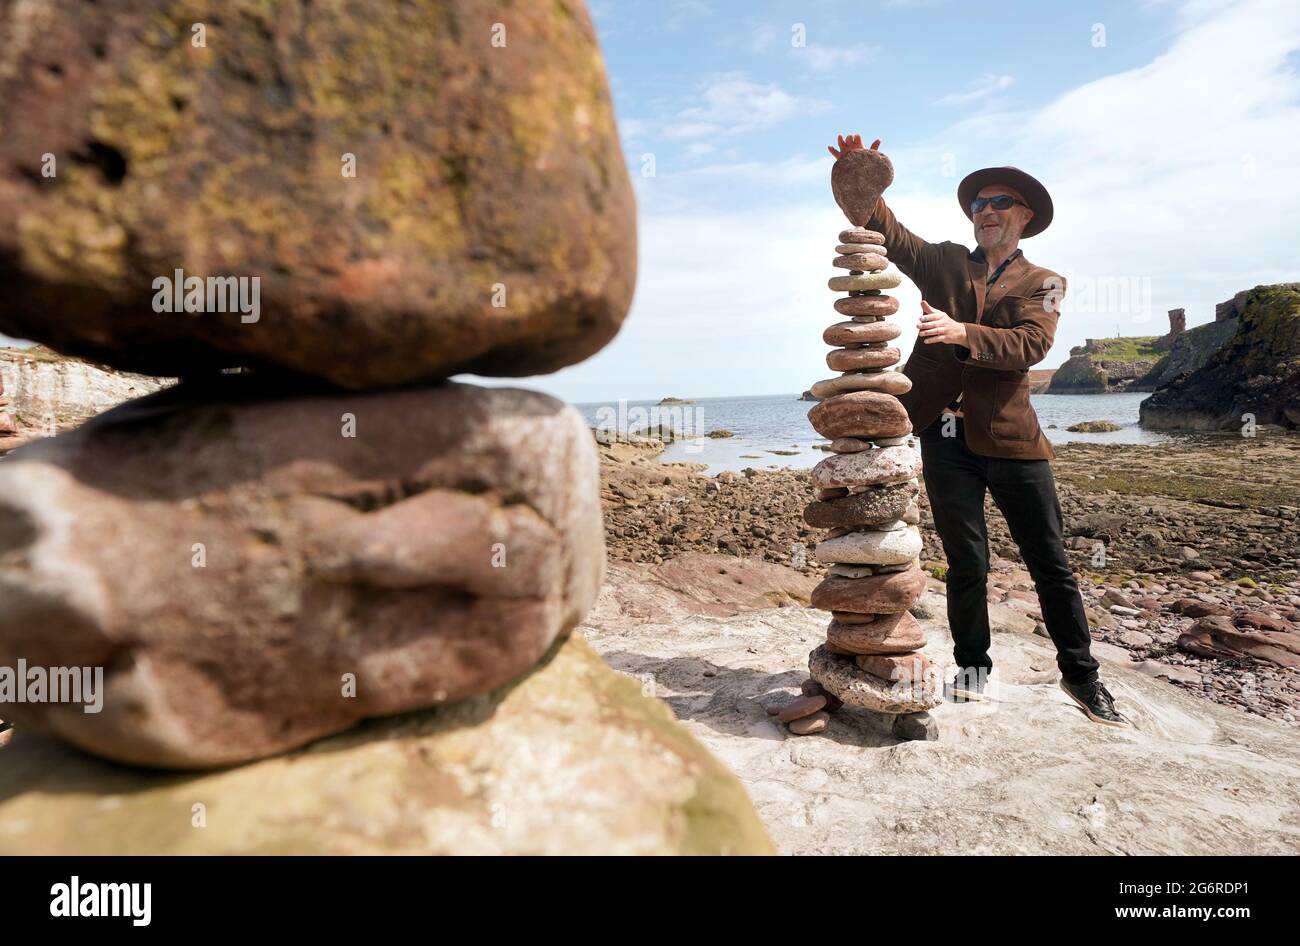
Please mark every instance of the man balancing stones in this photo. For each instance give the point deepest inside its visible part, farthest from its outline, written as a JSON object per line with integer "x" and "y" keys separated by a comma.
{"x": 866, "y": 497}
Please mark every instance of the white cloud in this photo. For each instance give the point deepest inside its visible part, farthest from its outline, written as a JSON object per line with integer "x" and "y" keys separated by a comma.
{"x": 733, "y": 104}
{"x": 982, "y": 87}
{"x": 820, "y": 58}
{"x": 762, "y": 38}
{"x": 1182, "y": 173}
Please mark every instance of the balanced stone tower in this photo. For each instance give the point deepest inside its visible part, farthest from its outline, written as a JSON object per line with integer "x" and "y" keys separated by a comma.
{"x": 866, "y": 492}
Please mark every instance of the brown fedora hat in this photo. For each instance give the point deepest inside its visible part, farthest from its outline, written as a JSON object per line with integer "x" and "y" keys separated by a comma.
{"x": 1034, "y": 193}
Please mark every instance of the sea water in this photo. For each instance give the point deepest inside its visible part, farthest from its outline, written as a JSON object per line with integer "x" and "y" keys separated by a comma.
{"x": 764, "y": 424}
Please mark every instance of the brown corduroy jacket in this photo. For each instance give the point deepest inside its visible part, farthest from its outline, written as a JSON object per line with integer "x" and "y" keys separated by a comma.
{"x": 1009, "y": 328}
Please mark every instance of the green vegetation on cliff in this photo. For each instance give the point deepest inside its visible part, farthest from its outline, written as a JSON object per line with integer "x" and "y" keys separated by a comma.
{"x": 1128, "y": 348}
{"x": 1102, "y": 363}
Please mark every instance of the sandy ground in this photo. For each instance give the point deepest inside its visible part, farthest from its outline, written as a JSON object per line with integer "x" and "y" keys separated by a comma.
{"x": 1024, "y": 773}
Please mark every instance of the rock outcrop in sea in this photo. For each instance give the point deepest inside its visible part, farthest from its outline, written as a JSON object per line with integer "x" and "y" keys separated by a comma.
{"x": 1146, "y": 362}
{"x": 1252, "y": 378}
{"x": 1103, "y": 365}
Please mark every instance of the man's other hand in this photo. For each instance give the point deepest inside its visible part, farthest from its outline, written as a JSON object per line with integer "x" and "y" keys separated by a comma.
{"x": 850, "y": 143}
{"x": 936, "y": 326}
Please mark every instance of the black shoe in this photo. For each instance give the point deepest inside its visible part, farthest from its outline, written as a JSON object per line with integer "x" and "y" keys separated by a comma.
{"x": 967, "y": 686}
{"x": 1095, "y": 700}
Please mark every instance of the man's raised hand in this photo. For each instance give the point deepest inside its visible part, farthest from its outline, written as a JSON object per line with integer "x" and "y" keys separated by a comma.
{"x": 850, "y": 143}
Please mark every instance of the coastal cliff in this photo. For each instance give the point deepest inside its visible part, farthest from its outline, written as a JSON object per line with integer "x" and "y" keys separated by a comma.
{"x": 1253, "y": 377}
{"x": 1103, "y": 365}
{"x": 1190, "y": 351}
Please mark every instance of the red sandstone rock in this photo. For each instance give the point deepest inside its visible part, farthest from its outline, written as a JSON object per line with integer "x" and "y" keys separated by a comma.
{"x": 804, "y": 706}
{"x": 858, "y": 178}
{"x": 810, "y": 724}
{"x": 855, "y": 359}
{"x": 880, "y": 594}
{"x": 233, "y": 560}
{"x": 897, "y": 668}
{"x": 489, "y": 226}
{"x": 897, "y": 633}
{"x": 866, "y": 305}
{"x": 865, "y": 414}
{"x": 855, "y": 333}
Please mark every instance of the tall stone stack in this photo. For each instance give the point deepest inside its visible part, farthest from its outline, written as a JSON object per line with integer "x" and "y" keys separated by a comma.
{"x": 866, "y": 492}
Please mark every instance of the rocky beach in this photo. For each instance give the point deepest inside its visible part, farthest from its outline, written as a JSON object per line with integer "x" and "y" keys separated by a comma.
{"x": 1186, "y": 554}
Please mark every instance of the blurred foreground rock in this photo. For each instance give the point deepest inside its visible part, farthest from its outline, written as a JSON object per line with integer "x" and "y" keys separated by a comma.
{"x": 572, "y": 759}
{"x": 230, "y": 558}
{"x": 421, "y": 188}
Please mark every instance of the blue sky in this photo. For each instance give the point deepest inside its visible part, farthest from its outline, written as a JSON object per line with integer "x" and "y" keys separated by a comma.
{"x": 1167, "y": 133}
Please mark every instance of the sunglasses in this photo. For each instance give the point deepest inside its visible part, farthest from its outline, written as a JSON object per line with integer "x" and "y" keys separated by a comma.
{"x": 999, "y": 202}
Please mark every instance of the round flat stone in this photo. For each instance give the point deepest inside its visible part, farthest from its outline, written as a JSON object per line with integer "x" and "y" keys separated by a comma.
{"x": 828, "y": 494}
{"x": 862, "y": 235}
{"x": 841, "y": 677}
{"x": 855, "y": 359}
{"x": 850, "y": 445}
{"x": 849, "y": 617}
{"x": 861, "y": 414}
{"x": 890, "y": 441}
{"x": 851, "y": 571}
{"x": 864, "y": 262}
{"x": 912, "y": 514}
{"x": 894, "y": 547}
{"x": 847, "y": 249}
{"x": 868, "y": 468}
{"x": 811, "y": 687}
{"x": 860, "y": 333}
{"x": 897, "y": 633}
{"x": 810, "y": 724}
{"x": 883, "y": 280}
{"x": 804, "y": 706}
{"x": 867, "y": 305}
{"x": 878, "y": 381}
{"x": 880, "y": 594}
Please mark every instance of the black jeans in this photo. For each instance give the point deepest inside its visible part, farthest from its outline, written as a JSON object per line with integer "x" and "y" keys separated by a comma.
{"x": 1025, "y": 492}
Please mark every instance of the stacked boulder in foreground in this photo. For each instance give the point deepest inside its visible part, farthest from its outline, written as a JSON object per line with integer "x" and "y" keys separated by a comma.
{"x": 866, "y": 492}
{"x": 257, "y": 558}
{"x": 423, "y": 189}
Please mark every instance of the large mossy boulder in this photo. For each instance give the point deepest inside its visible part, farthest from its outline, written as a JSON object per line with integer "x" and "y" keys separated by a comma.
{"x": 489, "y": 226}
{"x": 1252, "y": 378}
{"x": 572, "y": 759}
